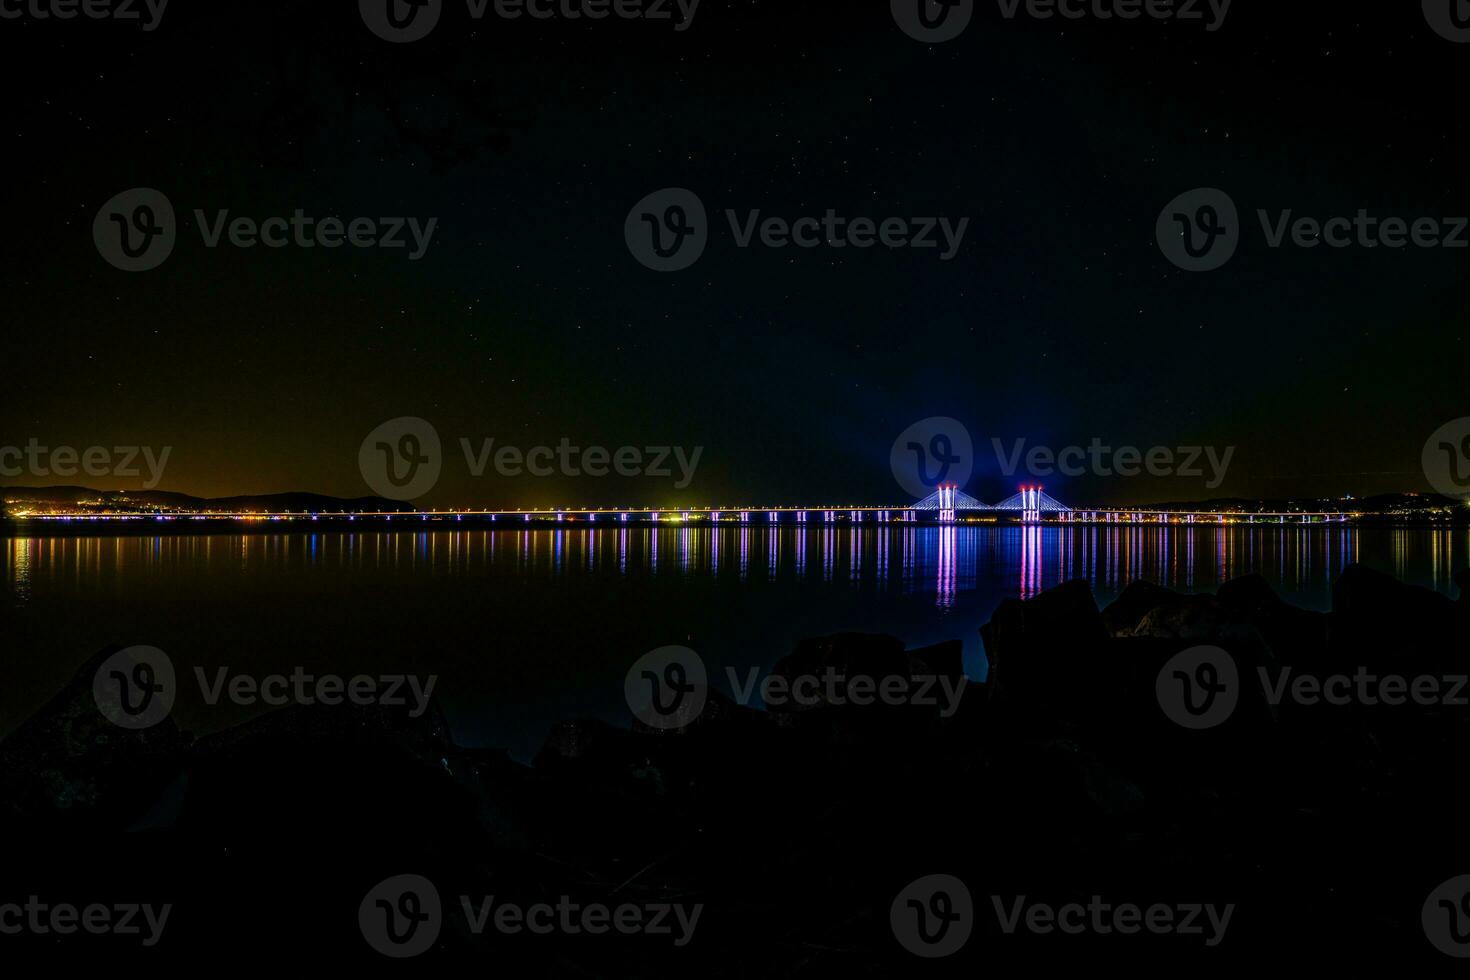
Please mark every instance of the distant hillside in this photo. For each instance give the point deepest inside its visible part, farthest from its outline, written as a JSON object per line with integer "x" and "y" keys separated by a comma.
{"x": 82, "y": 497}
{"x": 1386, "y": 503}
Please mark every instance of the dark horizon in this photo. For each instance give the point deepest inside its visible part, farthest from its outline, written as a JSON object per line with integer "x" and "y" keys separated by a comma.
{"x": 297, "y": 499}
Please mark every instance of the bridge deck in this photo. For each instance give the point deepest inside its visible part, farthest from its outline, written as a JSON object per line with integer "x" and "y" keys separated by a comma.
{"x": 751, "y": 515}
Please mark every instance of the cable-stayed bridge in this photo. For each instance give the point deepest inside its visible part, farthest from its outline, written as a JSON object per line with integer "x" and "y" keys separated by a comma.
{"x": 948, "y": 504}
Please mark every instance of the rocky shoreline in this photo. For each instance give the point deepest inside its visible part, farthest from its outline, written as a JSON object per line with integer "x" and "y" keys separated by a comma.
{"x": 1063, "y": 779}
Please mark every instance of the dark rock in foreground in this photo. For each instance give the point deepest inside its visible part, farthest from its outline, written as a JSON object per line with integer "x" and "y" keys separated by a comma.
{"x": 1063, "y": 777}
{"x": 68, "y": 767}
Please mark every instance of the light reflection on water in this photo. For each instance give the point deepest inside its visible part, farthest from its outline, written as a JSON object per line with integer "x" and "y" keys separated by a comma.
{"x": 532, "y": 626}
{"x": 945, "y": 562}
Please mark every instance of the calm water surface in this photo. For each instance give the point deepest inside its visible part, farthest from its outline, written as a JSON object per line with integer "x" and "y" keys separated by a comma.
{"x": 524, "y": 627}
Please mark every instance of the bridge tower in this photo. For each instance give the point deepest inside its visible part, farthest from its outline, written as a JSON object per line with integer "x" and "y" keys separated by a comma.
{"x": 1031, "y": 512}
{"x": 946, "y": 502}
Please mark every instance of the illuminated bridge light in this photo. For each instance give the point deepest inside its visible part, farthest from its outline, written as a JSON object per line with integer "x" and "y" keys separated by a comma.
{"x": 773, "y": 517}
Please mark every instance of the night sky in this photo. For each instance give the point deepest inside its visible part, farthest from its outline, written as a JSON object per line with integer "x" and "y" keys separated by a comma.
{"x": 528, "y": 320}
